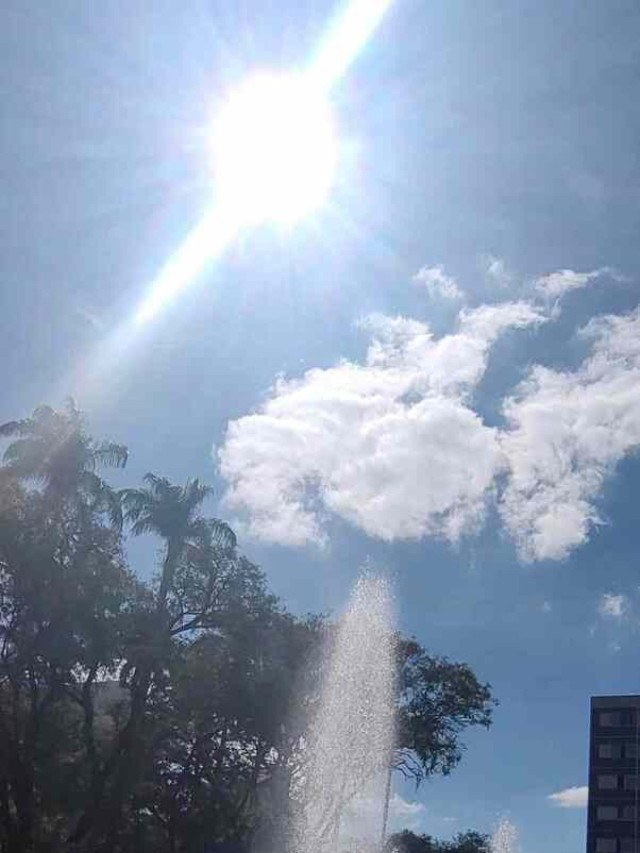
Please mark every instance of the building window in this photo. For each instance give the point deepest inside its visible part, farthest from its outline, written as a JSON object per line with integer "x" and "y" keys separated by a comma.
{"x": 627, "y": 845}
{"x": 630, "y": 749}
{"x": 630, "y": 782}
{"x": 610, "y": 750}
{"x": 628, "y": 813}
{"x": 607, "y": 813}
{"x": 606, "y": 845}
{"x": 613, "y": 719}
{"x": 607, "y": 782}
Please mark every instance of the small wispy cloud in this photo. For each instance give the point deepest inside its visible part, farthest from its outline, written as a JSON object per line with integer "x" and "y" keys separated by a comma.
{"x": 613, "y": 606}
{"x": 496, "y": 271}
{"x": 438, "y": 284}
{"x": 556, "y": 284}
{"x": 364, "y": 812}
{"x": 571, "y": 798}
{"x": 399, "y": 807}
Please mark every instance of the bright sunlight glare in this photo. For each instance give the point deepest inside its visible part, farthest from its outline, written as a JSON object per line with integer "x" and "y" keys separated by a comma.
{"x": 274, "y": 150}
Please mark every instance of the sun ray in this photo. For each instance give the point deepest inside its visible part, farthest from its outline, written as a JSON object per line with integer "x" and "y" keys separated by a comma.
{"x": 288, "y": 158}
{"x": 345, "y": 39}
{"x": 206, "y": 241}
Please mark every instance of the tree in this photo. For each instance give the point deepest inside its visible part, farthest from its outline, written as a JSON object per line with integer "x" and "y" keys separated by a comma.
{"x": 196, "y": 550}
{"x": 172, "y": 512}
{"x": 464, "y": 842}
{"x": 63, "y": 586}
{"x": 159, "y": 715}
{"x": 54, "y": 449}
{"x": 438, "y": 700}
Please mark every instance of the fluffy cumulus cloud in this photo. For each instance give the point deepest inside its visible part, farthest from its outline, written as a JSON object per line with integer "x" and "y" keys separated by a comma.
{"x": 571, "y": 798}
{"x": 567, "y": 431}
{"x": 613, "y": 606}
{"x": 393, "y": 445}
{"x": 438, "y": 283}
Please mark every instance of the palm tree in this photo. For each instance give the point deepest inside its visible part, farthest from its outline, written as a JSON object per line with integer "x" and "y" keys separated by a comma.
{"x": 172, "y": 512}
{"x": 54, "y": 449}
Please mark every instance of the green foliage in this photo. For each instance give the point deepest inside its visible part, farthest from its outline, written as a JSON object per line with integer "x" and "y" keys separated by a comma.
{"x": 439, "y": 699}
{"x": 169, "y": 714}
{"x": 464, "y": 842}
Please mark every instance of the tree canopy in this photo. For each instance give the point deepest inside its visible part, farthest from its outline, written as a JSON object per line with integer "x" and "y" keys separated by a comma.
{"x": 464, "y": 842}
{"x": 166, "y": 714}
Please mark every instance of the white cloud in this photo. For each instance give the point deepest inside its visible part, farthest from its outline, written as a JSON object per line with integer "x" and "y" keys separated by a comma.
{"x": 612, "y": 605}
{"x": 556, "y": 284}
{"x": 496, "y": 271}
{"x": 401, "y": 808}
{"x": 364, "y": 812}
{"x": 391, "y": 445}
{"x": 567, "y": 431}
{"x": 438, "y": 284}
{"x": 403, "y": 814}
{"x": 546, "y": 607}
{"x": 571, "y": 798}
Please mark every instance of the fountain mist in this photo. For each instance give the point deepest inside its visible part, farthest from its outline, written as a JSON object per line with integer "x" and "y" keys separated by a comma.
{"x": 351, "y": 743}
{"x": 505, "y": 838}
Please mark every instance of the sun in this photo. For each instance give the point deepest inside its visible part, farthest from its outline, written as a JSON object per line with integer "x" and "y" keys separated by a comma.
{"x": 274, "y": 149}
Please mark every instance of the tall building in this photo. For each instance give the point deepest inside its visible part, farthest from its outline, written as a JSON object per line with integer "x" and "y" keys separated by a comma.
{"x": 614, "y": 775}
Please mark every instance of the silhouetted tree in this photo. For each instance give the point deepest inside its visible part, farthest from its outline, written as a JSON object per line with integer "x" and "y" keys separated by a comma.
{"x": 53, "y": 449}
{"x": 464, "y": 842}
{"x": 438, "y": 700}
{"x": 172, "y": 512}
{"x": 172, "y": 713}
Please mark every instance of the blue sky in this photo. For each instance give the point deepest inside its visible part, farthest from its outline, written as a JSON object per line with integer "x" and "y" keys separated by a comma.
{"x": 467, "y": 401}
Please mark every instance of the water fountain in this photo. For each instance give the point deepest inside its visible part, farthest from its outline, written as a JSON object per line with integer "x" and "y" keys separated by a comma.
{"x": 505, "y": 838}
{"x": 347, "y": 769}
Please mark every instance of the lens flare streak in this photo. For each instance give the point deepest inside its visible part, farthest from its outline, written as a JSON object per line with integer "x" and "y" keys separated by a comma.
{"x": 352, "y": 27}
{"x": 207, "y": 241}
{"x": 346, "y": 38}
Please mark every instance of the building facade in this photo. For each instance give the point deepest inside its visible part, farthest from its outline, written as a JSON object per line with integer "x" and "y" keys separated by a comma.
{"x": 614, "y": 775}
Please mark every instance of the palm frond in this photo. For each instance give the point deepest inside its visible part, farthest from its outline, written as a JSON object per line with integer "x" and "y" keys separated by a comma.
{"x": 111, "y": 454}
{"x": 22, "y": 449}
{"x": 222, "y": 536}
{"x": 195, "y": 493}
{"x": 135, "y": 503}
{"x": 156, "y": 483}
{"x": 14, "y": 428}
{"x": 104, "y": 498}
{"x": 142, "y": 525}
